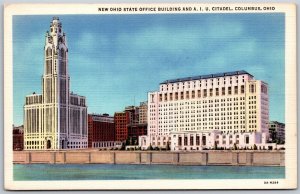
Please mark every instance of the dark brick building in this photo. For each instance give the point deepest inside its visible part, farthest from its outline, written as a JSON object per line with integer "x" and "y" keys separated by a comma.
{"x": 134, "y": 131}
{"x": 101, "y": 130}
{"x": 131, "y": 123}
{"x": 18, "y": 138}
{"x": 122, "y": 119}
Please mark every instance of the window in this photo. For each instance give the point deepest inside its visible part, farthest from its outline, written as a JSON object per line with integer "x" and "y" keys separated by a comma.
{"x": 242, "y": 89}
{"x": 229, "y": 90}
{"x": 197, "y": 140}
{"x": 223, "y": 91}
{"x": 49, "y": 52}
{"x": 63, "y": 53}
{"x": 62, "y": 67}
{"x": 252, "y": 88}
{"x": 235, "y": 89}
{"x": 247, "y": 139}
{"x": 199, "y": 93}
{"x": 264, "y": 89}
{"x": 205, "y": 93}
{"x": 187, "y": 94}
{"x": 211, "y": 92}
{"x": 203, "y": 140}
{"x": 217, "y": 91}
{"x": 49, "y": 66}
{"x": 192, "y": 141}
{"x": 185, "y": 141}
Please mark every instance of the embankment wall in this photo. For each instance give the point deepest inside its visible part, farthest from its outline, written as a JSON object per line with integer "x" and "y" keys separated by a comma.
{"x": 224, "y": 157}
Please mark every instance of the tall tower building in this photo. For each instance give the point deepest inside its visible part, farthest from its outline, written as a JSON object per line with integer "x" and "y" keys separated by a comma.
{"x": 55, "y": 119}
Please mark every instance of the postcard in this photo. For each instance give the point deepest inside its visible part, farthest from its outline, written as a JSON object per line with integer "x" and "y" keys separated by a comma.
{"x": 150, "y": 96}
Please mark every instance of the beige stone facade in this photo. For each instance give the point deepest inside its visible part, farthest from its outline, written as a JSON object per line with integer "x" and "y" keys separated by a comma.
{"x": 231, "y": 102}
{"x": 57, "y": 118}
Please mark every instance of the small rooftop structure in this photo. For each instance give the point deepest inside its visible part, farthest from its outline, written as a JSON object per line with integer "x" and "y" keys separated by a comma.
{"x": 232, "y": 73}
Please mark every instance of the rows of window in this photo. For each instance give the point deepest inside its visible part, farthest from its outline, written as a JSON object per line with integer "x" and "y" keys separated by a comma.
{"x": 35, "y": 99}
{"x": 212, "y": 92}
{"x": 42, "y": 143}
{"x": 203, "y": 83}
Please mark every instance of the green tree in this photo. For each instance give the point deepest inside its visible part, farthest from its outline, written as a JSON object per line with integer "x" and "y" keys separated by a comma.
{"x": 168, "y": 146}
{"x": 150, "y": 147}
{"x": 123, "y": 146}
{"x": 255, "y": 147}
{"x": 234, "y": 146}
{"x": 216, "y": 146}
{"x": 127, "y": 141}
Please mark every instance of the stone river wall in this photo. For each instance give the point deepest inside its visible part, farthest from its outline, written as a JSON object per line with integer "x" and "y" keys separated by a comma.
{"x": 234, "y": 158}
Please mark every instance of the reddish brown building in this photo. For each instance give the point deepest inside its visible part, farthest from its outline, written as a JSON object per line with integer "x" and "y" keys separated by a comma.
{"x": 134, "y": 131}
{"x": 122, "y": 119}
{"x": 101, "y": 130}
{"x": 18, "y": 138}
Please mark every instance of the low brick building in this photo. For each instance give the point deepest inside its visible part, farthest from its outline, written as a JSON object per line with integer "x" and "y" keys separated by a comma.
{"x": 101, "y": 130}
{"x": 134, "y": 131}
{"x": 18, "y": 138}
{"x": 277, "y": 132}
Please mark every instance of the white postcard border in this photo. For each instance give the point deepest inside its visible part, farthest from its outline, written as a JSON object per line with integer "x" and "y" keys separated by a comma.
{"x": 290, "y": 105}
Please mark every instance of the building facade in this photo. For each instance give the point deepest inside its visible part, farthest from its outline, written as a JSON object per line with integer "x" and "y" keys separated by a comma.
{"x": 131, "y": 123}
{"x": 101, "y": 130}
{"x": 18, "y": 138}
{"x": 218, "y": 140}
{"x": 57, "y": 118}
{"x": 133, "y": 112}
{"x": 231, "y": 102}
{"x": 135, "y": 131}
{"x": 143, "y": 111}
{"x": 122, "y": 119}
{"x": 277, "y": 132}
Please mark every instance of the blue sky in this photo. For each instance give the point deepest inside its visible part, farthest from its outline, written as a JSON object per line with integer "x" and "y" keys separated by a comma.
{"x": 115, "y": 60}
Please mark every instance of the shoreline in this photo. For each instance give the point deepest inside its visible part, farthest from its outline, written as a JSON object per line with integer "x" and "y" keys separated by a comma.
{"x": 198, "y": 158}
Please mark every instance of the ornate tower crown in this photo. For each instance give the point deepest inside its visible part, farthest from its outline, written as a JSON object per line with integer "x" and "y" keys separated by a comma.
{"x": 56, "y": 77}
{"x": 56, "y": 27}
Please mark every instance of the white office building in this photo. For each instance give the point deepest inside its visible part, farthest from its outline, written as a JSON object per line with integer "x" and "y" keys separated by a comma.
{"x": 228, "y": 103}
{"x": 55, "y": 119}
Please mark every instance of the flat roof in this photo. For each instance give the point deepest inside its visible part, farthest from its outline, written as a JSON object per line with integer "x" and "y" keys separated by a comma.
{"x": 232, "y": 73}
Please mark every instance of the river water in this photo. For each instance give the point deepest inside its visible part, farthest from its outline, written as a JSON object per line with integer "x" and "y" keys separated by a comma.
{"x": 132, "y": 172}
